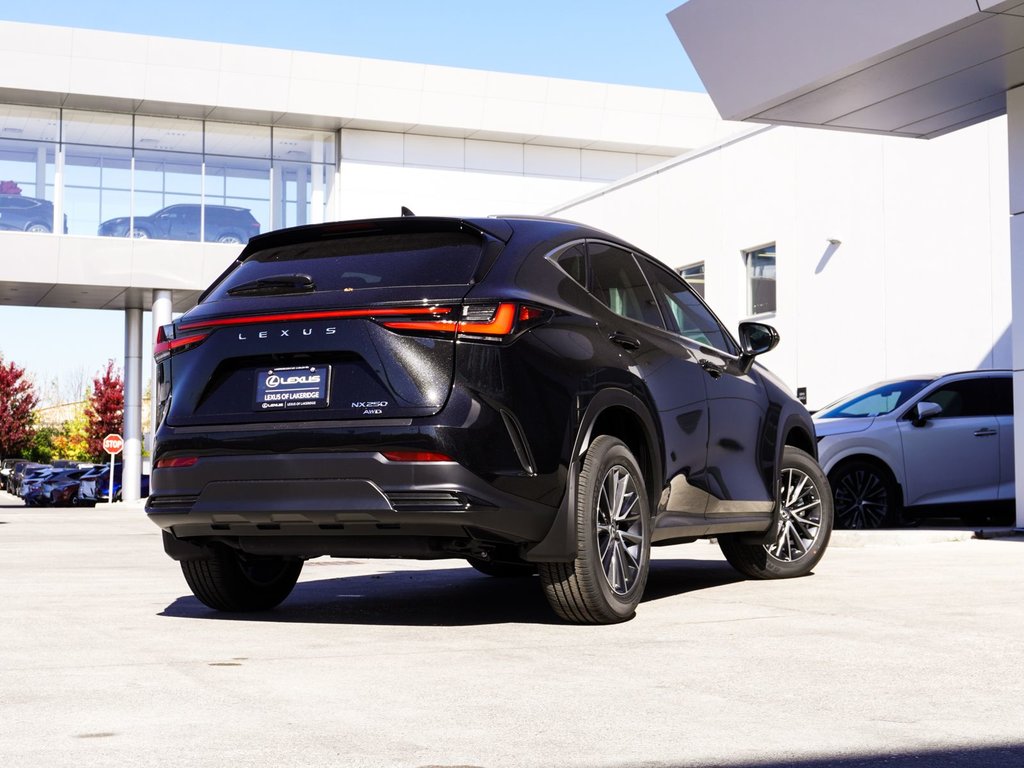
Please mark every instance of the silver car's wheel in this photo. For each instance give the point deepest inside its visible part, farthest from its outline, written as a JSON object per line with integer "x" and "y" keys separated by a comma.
{"x": 140, "y": 234}
{"x": 864, "y": 496}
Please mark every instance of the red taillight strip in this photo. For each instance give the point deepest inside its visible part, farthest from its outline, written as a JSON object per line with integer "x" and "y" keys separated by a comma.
{"x": 166, "y": 347}
{"x": 500, "y": 325}
{"x": 325, "y": 315}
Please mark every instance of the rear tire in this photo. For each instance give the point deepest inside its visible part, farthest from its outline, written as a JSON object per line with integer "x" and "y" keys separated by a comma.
{"x": 803, "y": 528}
{"x": 605, "y": 582}
{"x": 230, "y": 581}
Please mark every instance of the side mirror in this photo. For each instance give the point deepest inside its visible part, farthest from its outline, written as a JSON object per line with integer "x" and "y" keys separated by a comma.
{"x": 755, "y": 339}
{"x": 924, "y": 411}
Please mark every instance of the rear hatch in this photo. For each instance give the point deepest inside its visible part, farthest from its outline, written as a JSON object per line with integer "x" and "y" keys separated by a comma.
{"x": 332, "y": 322}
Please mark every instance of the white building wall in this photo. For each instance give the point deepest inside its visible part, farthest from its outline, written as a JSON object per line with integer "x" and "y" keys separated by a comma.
{"x": 448, "y": 176}
{"x": 919, "y": 283}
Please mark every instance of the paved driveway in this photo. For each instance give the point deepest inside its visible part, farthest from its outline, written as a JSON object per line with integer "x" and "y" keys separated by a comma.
{"x": 901, "y": 650}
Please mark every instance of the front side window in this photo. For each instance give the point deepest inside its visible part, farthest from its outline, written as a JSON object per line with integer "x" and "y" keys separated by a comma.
{"x": 684, "y": 313}
{"x": 760, "y": 280}
{"x": 959, "y": 399}
{"x": 616, "y": 280}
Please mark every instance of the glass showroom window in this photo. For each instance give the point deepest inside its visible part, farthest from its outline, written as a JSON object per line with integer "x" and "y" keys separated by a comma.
{"x": 303, "y": 176}
{"x": 28, "y": 143}
{"x": 237, "y": 189}
{"x": 168, "y": 181}
{"x": 97, "y": 170}
{"x": 694, "y": 275}
{"x": 760, "y": 280}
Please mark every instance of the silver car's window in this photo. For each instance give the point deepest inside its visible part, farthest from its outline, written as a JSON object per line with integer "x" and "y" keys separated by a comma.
{"x": 968, "y": 398}
{"x": 876, "y": 401}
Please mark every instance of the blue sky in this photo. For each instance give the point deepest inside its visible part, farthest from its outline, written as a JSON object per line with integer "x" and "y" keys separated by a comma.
{"x": 627, "y": 42}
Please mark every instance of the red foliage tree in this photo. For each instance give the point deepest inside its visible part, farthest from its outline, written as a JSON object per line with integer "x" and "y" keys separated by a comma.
{"x": 105, "y": 409}
{"x": 17, "y": 401}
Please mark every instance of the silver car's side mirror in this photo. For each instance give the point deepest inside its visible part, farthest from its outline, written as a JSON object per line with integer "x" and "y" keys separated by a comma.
{"x": 924, "y": 411}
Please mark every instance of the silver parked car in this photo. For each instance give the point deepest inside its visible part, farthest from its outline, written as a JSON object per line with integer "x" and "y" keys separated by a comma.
{"x": 919, "y": 441}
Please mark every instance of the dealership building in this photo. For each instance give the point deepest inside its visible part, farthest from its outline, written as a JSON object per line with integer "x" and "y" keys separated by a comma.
{"x": 876, "y": 256}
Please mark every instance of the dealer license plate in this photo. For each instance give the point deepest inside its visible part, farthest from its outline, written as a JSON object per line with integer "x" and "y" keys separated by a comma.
{"x": 305, "y": 386}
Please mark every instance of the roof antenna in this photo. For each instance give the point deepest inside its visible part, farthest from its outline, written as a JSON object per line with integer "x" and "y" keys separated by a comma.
{"x": 407, "y": 212}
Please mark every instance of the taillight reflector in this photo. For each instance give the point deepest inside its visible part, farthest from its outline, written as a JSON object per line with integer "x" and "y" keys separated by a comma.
{"x": 176, "y": 461}
{"x": 415, "y": 456}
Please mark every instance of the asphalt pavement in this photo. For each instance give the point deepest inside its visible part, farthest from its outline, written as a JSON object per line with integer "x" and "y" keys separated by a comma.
{"x": 903, "y": 648}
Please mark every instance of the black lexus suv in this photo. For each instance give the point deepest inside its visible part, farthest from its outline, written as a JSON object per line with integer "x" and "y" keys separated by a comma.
{"x": 532, "y": 395}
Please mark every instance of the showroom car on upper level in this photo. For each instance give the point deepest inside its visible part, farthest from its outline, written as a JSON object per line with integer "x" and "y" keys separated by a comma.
{"x": 901, "y": 447}
{"x": 532, "y": 395}
{"x": 26, "y": 214}
{"x": 223, "y": 224}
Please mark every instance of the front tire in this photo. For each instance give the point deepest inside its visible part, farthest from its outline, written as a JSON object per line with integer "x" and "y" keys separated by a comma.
{"x": 803, "y": 528}
{"x": 605, "y": 582}
{"x": 865, "y": 496}
{"x": 227, "y": 580}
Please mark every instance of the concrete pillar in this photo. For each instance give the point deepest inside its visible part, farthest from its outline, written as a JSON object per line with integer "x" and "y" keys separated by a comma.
{"x": 162, "y": 309}
{"x": 130, "y": 484}
{"x": 1015, "y": 118}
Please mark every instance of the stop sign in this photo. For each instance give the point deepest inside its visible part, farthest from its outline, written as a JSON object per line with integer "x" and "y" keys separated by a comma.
{"x": 113, "y": 444}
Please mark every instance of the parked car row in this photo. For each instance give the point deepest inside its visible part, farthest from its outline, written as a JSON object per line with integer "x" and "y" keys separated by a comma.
{"x": 63, "y": 483}
{"x": 902, "y": 449}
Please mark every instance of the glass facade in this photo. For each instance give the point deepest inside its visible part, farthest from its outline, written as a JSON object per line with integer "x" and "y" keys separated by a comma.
{"x": 119, "y": 175}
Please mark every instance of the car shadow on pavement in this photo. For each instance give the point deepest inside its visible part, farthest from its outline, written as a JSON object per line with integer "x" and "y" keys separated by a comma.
{"x": 989, "y": 756}
{"x": 442, "y": 597}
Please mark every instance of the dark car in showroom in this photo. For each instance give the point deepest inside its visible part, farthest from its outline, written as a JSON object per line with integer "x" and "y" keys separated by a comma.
{"x": 921, "y": 446}
{"x": 26, "y": 214}
{"x": 532, "y": 395}
{"x": 223, "y": 224}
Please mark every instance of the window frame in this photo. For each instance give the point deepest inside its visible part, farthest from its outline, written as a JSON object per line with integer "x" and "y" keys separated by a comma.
{"x": 748, "y": 255}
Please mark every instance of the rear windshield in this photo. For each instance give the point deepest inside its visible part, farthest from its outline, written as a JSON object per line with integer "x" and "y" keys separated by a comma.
{"x": 369, "y": 261}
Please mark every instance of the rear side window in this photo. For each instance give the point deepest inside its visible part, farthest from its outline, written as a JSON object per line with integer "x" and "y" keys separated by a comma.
{"x": 368, "y": 261}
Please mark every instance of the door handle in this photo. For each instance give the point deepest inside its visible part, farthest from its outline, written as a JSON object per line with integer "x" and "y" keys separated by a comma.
{"x": 712, "y": 370}
{"x": 624, "y": 340}
{"x": 985, "y": 432}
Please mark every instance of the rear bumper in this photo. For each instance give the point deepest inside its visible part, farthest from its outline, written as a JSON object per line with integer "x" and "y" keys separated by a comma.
{"x": 342, "y": 504}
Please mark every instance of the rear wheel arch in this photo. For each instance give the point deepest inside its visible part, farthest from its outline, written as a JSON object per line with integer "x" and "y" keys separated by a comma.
{"x": 616, "y": 413}
{"x": 620, "y": 414}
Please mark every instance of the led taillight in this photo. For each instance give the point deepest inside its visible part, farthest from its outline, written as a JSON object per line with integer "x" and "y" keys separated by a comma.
{"x": 166, "y": 344}
{"x": 169, "y": 462}
{"x": 415, "y": 456}
{"x": 494, "y": 321}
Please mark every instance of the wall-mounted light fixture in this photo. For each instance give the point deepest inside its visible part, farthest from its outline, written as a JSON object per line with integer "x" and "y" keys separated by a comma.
{"x": 834, "y": 241}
